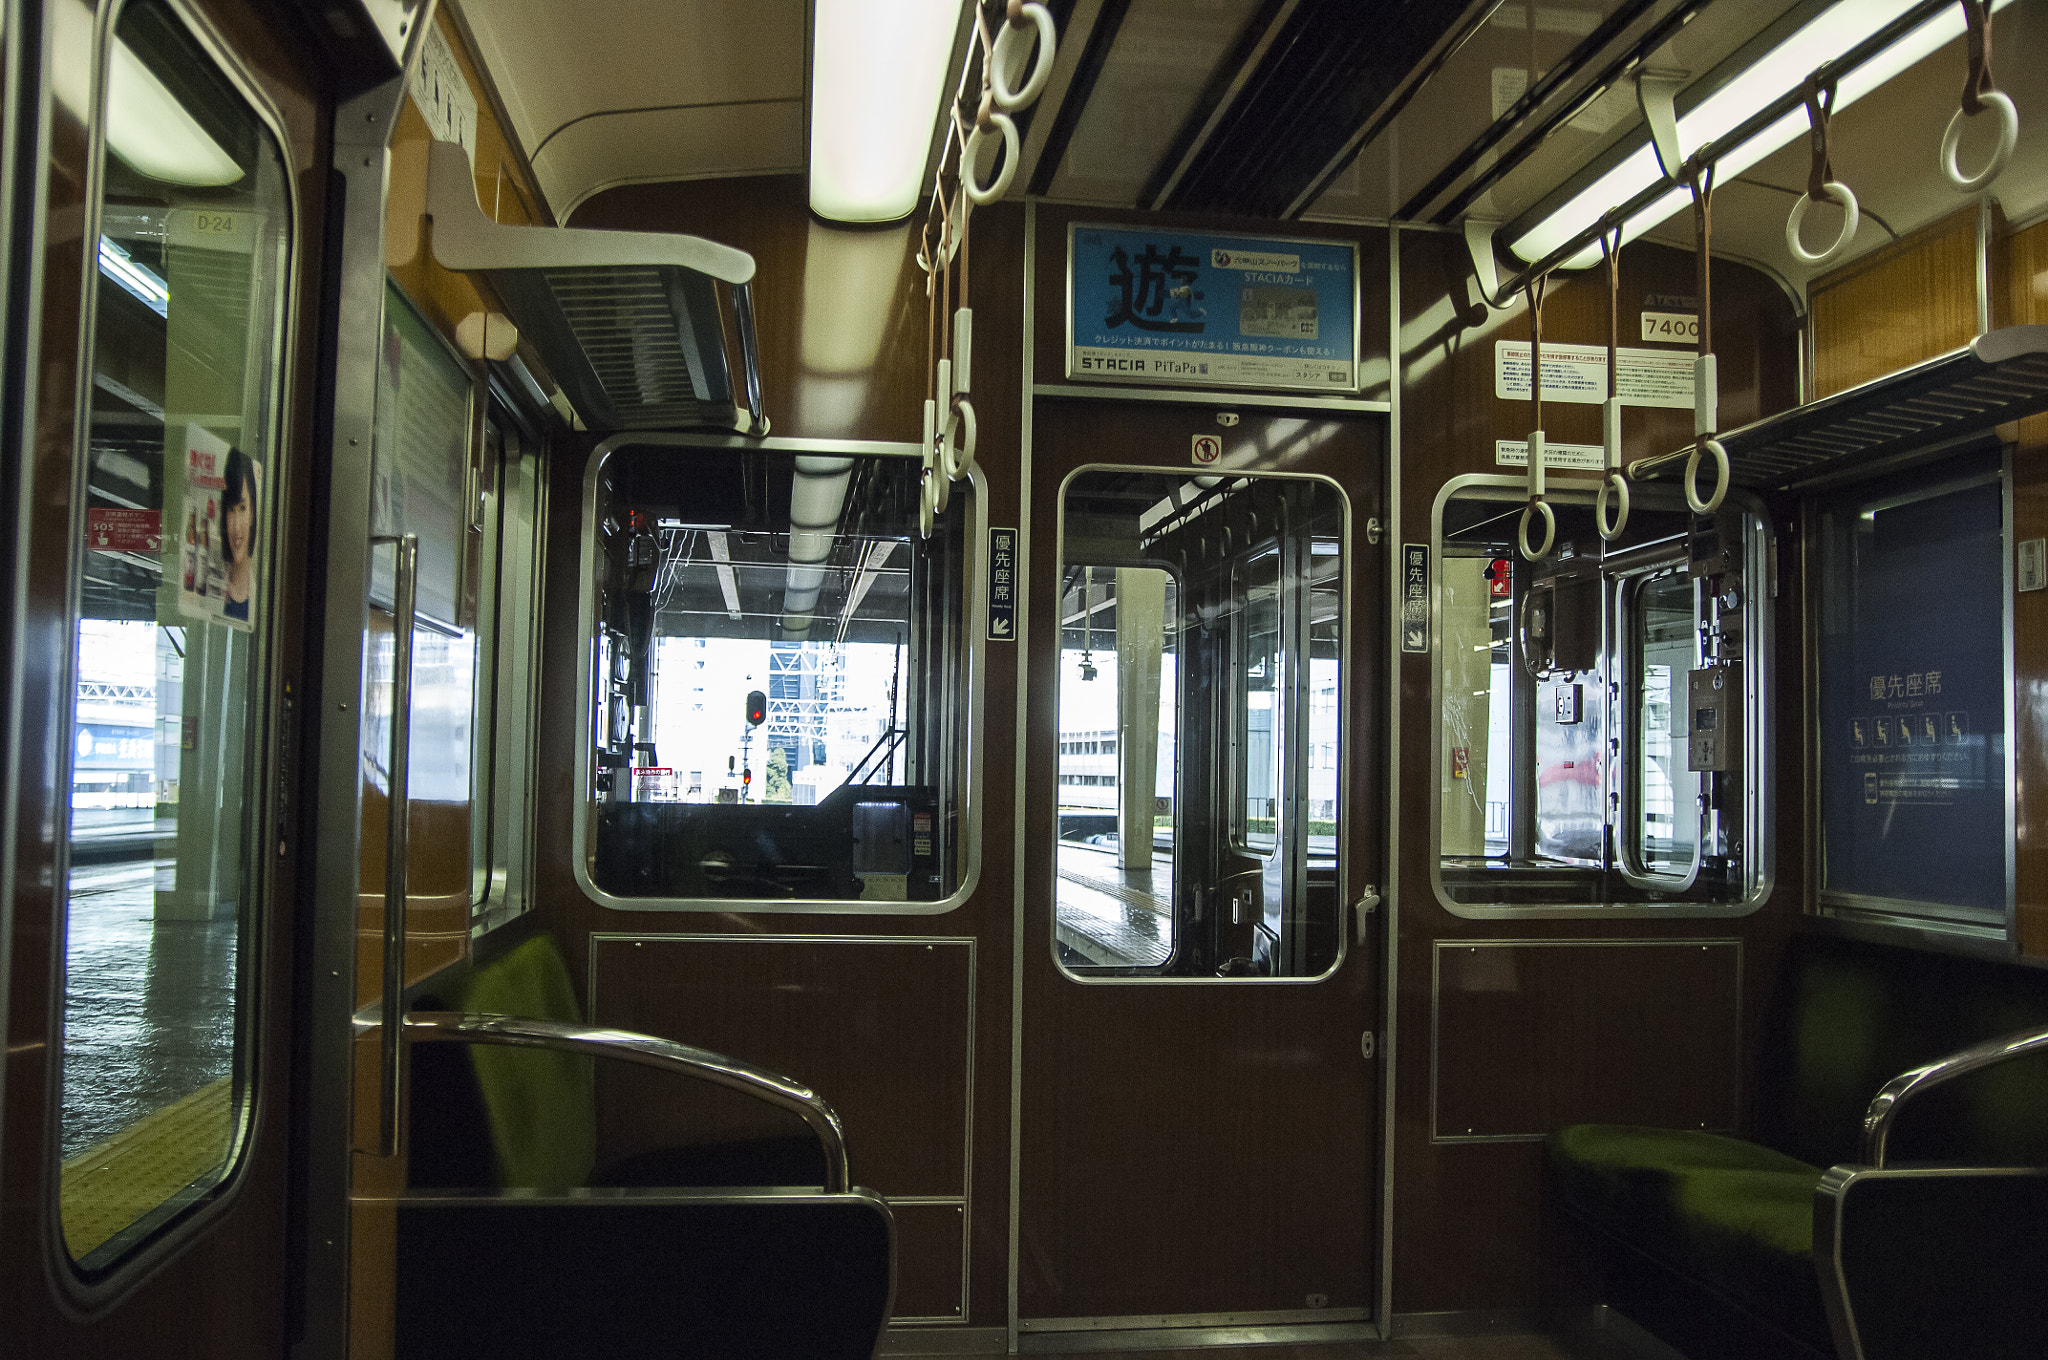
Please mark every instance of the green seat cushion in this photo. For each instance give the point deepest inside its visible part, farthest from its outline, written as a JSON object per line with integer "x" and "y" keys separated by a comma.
{"x": 1733, "y": 1215}
{"x": 541, "y": 1104}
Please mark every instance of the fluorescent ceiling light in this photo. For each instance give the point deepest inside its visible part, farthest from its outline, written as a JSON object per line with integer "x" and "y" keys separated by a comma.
{"x": 1783, "y": 69}
{"x": 149, "y": 129}
{"x": 143, "y": 283}
{"x": 878, "y": 72}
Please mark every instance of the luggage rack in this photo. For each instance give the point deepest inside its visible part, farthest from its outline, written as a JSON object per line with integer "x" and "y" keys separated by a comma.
{"x": 2000, "y": 376}
{"x": 629, "y": 322}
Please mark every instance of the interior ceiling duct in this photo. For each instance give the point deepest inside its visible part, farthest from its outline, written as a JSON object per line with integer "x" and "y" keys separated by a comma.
{"x": 629, "y": 322}
{"x": 817, "y": 495}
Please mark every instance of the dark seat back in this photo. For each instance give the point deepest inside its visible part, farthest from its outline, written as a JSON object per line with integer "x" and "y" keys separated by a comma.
{"x": 722, "y": 1275}
{"x": 1849, "y": 1016}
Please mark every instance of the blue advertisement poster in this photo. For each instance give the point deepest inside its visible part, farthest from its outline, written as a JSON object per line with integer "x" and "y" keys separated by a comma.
{"x": 1913, "y": 697}
{"x": 1196, "y": 310}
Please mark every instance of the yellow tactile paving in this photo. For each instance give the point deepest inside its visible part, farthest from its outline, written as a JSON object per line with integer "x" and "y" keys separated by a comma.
{"x": 105, "y": 1188}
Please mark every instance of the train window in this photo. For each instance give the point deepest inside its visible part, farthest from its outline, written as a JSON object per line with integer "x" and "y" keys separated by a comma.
{"x": 1914, "y": 698}
{"x": 1199, "y": 737}
{"x": 423, "y": 485}
{"x": 181, "y": 475}
{"x": 1600, "y": 717}
{"x": 778, "y": 677}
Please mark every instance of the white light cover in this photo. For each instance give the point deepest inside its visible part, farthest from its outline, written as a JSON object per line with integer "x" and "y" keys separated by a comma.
{"x": 878, "y": 70}
{"x": 1785, "y": 67}
{"x": 149, "y": 129}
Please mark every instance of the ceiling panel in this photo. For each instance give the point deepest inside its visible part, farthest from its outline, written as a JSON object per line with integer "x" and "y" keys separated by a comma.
{"x": 564, "y": 67}
{"x": 1163, "y": 57}
{"x": 715, "y": 141}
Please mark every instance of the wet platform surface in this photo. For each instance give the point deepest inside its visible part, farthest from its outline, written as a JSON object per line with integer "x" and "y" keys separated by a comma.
{"x": 1111, "y": 915}
{"x": 148, "y": 1005}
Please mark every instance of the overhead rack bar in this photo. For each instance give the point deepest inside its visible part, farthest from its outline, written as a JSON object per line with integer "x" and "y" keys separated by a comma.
{"x": 630, "y": 322}
{"x": 1998, "y": 377}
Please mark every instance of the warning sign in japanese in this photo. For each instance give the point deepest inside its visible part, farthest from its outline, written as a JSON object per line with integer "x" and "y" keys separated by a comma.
{"x": 1578, "y": 373}
{"x": 1002, "y": 585}
{"x": 112, "y": 528}
{"x": 1574, "y": 457}
{"x": 1415, "y": 597}
{"x": 1194, "y": 310}
{"x": 1912, "y": 708}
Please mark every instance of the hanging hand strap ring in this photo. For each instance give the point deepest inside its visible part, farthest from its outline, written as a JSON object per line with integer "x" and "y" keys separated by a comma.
{"x": 1820, "y": 181}
{"x": 1979, "y": 93}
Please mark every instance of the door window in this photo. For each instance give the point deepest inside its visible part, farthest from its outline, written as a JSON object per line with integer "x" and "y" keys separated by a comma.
{"x": 181, "y": 470}
{"x": 1200, "y": 741}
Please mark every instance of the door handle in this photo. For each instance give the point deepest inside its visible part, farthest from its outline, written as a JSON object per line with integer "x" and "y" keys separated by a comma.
{"x": 391, "y": 1056}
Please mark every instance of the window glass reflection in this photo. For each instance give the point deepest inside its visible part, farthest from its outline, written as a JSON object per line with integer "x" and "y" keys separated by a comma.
{"x": 170, "y": 641}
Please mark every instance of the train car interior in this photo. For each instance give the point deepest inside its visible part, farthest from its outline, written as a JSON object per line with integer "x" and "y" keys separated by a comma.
{"x": 1329, "y": 678}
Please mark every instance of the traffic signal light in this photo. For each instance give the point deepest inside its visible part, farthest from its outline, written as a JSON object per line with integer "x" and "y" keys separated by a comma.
{"x": 757, "y": 708}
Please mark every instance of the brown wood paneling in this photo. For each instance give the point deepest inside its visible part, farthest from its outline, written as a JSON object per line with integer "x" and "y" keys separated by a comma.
{"x": 928, "y": 1261}
{"x": 2022, "y": 263}
{"x": 1910, "y": 301}
{"x": 745, "y": 213}
{"x": 1471, "y": 1229}
{"x": 879, "y": 1028}
{"x": 1533, "y": 1037}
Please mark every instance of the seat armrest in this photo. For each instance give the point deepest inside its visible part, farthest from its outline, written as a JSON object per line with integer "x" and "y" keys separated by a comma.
{"x": 1884, "y": 1110}
{"x": 644, "y": 1050}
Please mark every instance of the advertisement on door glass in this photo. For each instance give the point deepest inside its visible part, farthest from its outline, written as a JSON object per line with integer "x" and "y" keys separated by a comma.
{"x": 1181, "y": 309}
{"x": 216, "y": 543}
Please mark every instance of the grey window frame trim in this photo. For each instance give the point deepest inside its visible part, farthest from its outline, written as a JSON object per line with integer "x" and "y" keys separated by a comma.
{"x": 93, "y": 1294}
{"x": 973, "y": 675}
{"x": 1760, "y": 869}
{"x": 1345, "y": 694}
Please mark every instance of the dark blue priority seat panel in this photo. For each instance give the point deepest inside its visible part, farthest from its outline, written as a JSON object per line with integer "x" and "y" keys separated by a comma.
{"x": 1935, "y": 1261}
{"x": 633, "y": 1275}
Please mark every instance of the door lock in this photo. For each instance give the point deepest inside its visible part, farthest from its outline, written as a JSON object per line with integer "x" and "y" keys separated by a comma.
{"x": 1363, "y": 909}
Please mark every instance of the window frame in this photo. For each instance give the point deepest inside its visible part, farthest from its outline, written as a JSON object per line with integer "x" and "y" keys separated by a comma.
{"x": 1759, "y": 734}
{"x": 971, "y": 680}
{"x": 175, "y": 1223}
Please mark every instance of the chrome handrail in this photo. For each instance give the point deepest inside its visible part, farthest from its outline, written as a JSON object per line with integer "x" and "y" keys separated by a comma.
{"x": 397, "y": 851}
{"x": 1877, "y": 1122}
{"x": 645, "y": 1050}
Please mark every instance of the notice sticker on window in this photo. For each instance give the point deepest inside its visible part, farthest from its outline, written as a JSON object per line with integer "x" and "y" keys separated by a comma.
{"x": 1415, "y": 597}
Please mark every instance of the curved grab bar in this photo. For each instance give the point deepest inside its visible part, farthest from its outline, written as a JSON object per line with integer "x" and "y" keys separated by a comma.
{"x": 1884, "y": 1109}
{"x": 645, "y": 1050}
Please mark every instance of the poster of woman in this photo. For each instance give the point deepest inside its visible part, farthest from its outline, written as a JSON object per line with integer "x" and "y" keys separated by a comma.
{"x": 217, "y": 551}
